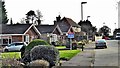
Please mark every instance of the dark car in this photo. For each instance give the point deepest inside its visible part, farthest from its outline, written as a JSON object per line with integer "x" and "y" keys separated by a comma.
{"x": 101, "y": 43}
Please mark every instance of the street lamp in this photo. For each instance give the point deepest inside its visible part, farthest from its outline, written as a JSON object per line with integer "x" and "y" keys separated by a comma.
{"x": 82, "y": 9}
{"x": 115, "y": 25}
{"x": 88, "y": 17}
{"x": 103, "y": 23}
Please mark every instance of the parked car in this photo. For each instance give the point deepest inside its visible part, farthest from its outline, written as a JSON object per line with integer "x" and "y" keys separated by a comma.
{"x": 100, "y": 43}
{"x": 17, "y": 46}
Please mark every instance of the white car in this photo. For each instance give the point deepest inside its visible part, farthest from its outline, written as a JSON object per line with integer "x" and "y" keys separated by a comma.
{"x": 17, "y": 46}
{"x": 100, "y": 43}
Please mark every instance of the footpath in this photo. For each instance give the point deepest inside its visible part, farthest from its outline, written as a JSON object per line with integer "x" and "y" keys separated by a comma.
{"x": 83, "y": 59}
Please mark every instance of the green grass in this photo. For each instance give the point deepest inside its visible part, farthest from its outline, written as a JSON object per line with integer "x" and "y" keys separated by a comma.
{"x": 11, "y": 55}
{"x": 68, "y": 54}
{"x": 60, "y": 47}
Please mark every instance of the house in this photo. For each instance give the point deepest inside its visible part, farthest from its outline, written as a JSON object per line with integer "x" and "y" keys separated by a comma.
{"x": 18, "y": 33}
{"x": 50, "y": 33}
{"x": 67, "y": 25}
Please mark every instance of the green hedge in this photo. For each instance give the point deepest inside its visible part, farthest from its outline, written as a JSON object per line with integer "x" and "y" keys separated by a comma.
{"x": 35, "y": 42}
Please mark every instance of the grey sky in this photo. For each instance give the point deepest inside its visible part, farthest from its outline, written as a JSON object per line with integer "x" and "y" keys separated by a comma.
{"x": 99, "y": 10}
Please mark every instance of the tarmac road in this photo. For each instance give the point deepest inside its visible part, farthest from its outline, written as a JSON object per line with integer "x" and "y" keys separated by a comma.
{"x": 108, "y": 56}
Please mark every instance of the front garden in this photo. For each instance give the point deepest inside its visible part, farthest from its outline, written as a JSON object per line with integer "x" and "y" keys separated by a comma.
{"x": 34, "y": 52}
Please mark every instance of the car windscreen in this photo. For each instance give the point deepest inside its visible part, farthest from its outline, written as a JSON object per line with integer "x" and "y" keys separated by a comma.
{"x": 101, "y": 41}
{"x": 11, "y": 44}
{"x": 17, "y": 44}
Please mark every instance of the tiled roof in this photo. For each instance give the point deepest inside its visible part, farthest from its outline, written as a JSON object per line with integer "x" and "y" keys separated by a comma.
{"x": 66, "y": 23}
{"x": 45, "y": 28}
{"x": 14, "y": 29}
{"x": 71, "y": 22}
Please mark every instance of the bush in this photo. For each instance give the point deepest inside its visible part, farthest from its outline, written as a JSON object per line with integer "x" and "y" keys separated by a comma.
{"x": 48, "y": 53}
{"x": 42, "y": 63}
{"x": 35, "y": 43}
{"x": 10, "y": 62}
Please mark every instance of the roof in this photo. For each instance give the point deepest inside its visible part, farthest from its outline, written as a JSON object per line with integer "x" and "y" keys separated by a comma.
{"x": 63, "y": 27}
{"x": 14, "y": 29}
{"x": 71, "y": 22}
{"x": 65, "y": 24}
{"x": 45, "y": 28}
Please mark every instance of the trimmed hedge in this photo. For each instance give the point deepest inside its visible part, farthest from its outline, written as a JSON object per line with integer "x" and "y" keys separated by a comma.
{"x": 48, "y": 53}
{"x": 35, "y": 42}
{"x": 42, "y": 52}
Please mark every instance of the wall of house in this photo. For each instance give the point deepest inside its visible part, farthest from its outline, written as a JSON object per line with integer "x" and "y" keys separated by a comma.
{"x": 17, "y": 38}
{"x": 5, "y": 40}
{"x": 32, "y": 34}
{"x": 44, "y": 37}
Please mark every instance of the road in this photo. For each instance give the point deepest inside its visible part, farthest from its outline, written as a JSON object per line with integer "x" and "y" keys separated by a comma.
{"x": 109, "y": 56}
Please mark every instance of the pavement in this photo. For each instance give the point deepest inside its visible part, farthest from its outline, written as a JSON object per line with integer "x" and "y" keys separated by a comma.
{"x": 84, "y": 58}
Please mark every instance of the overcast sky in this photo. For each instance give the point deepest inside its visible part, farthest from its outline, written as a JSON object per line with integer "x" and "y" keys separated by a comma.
{"x": 100, "y": 11}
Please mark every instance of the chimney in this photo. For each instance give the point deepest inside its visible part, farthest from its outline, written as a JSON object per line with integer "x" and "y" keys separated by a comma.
{"x": 58, "y": 18}
{"x": 54, "y": 22}
{"x": 11, "y": 22}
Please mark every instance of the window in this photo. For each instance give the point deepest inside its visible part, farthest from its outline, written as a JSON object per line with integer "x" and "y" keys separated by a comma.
{"x": 26, "y": 38}
{"x": 5, "y": 41}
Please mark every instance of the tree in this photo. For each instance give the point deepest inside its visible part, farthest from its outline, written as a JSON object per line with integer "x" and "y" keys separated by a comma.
{"x": 105, "y": 30}
{"x": 86, "y": 25}
{"x": 31, "y": 16}
{"x": 39, "y": 16}
{"x": 4, "y": 13}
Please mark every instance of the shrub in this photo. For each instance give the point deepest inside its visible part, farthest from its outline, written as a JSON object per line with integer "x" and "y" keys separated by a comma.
{"x": 35, "y": 43}
{"x": 48, "y": 53}
{"x": 41, "y": 63}
{"x": 10, "y": 62}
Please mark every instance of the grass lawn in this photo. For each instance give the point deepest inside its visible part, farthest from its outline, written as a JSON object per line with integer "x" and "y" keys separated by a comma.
{"x": 11, "y": 55}
{"x": 68, "y": 54}
{"x": 60, "y": 47}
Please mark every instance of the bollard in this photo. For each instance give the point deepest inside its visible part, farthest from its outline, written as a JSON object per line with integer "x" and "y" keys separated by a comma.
{"x": 82, "y": 47}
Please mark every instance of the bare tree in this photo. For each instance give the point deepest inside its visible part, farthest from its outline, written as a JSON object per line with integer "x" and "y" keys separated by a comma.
{"x": 39, "y": 16}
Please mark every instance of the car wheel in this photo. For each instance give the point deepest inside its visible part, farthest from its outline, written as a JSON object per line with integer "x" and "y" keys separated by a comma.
{"x": 96, "y": 47}
{"x": 6, "y": 50}
{"x": 105, "y": 46}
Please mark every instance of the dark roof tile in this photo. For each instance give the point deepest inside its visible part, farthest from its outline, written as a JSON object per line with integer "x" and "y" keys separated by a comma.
{"x": 45, "y": 28}
{"x": 14, "y": 29}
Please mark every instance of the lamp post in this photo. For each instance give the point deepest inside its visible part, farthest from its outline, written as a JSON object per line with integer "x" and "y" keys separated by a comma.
{"x": 82, "y": 9}
{"x": 88, "y": 17}
{"x": 103, "y": 23}
{"x": 115, "y": 25}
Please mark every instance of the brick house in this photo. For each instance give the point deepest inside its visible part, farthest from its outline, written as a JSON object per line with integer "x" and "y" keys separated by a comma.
{"x": 18, "y": 33}
{"x": 50, "y": 33}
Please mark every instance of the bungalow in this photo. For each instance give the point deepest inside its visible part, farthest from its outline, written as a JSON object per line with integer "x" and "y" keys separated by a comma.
{"x": 18, "y": 33}
{"x": 50, "y": 33}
